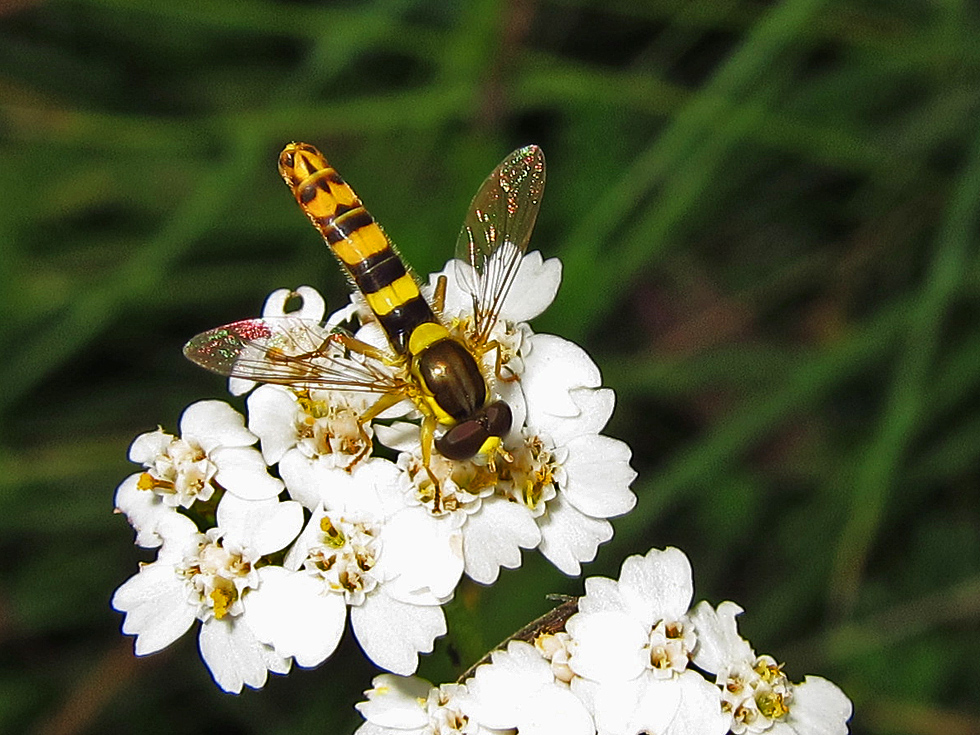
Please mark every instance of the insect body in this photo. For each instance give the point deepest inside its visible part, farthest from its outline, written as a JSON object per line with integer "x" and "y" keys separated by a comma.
{"x": 439, "y": 369}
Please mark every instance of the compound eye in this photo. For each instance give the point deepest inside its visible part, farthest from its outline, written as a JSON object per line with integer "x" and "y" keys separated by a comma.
{"x": 463, "y": 440}
{"x": 498, "y": 418}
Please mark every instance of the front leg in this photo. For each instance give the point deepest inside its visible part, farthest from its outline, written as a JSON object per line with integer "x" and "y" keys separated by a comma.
{"x": 428, "y": 438}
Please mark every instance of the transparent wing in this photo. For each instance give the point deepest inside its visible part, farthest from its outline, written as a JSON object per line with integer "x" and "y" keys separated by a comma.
{"x": 289, "y": 351}
{"x": 495, "y": 233}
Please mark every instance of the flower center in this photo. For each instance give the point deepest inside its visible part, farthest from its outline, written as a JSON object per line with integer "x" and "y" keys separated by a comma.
{"x": 344, "y": 555}
{"x": 529, "y": 477}
{"x": 180, "y": 474}
{"x": 329, "y": 426}
{"x": 555, "y": 647}
{"x": 218, "y": 576}
{"x": 757, "y": 696}
{"x": 445, "y": 716}
{"x": 461, "y": 484}
{"x": 669, "y": 647}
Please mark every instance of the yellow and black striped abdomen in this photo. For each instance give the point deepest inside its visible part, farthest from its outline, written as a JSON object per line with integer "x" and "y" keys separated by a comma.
{"x": 356, "y": 239}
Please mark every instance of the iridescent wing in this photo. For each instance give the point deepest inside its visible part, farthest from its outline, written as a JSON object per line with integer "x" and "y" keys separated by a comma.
{"x": 495, "y": 233}
{"x": 289, "y": 351}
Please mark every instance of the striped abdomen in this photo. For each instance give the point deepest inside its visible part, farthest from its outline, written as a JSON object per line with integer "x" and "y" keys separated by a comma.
{"x": 358, "y": 241}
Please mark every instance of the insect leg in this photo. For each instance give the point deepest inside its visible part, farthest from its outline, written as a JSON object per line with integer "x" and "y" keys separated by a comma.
{"x": 360, "y": 347}
{"x": 439, "y": 295}
{"x": 428, "y": 434}
{"x": 380, "y": 406}
{"x": 366, "y": 444}
{"x": 498, "y": 365}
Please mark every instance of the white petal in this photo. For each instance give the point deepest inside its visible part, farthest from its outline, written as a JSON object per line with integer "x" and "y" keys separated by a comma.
{"x": 261, "y": 526}
{"x": 508, "y": 694}
{"x": 304, "y": 477}
{"x": 272, "y": 418}
{"x": 613, "y": 703}
{"x": 312, "y": 307}
{"x": 233, "y": 654}
{"x": 608, "y": 646}
{"x": 683, "y": 705}
{"x": 375, "y": 488}
{"x": 553, "y": 367}
{"x": 534, "y": 288}
{"x": 422, "y": 557}
{"x": 369, "y": 728}
{"x": 393, "y": 702}
{"x": 602, "y": 595}
{"x": 307, "y": 539}
{"x": 214, "y": 424}
{"x": 458, "y": 300}
{"x": 519, "y": 668}
{"x": 719, "y": 644}
{"x": 700, "y": 711}
{"x": 146, "y": 447}
{"x": 242, "y": 471}
{"x": 595, "y": 406}
{"x": 569, "y": 536}
{"x": 240, "y": 386}
{"x": 494, "y": 537}
{"x": 157, "y": 607}
{"x": 180, "y": 538}
{"x": 290, "y": 612}
{"x": 554, "y": 711}
{"x": 658, "y": 586}
{"x": 143, "y": 509}
{"x": 400, "y": 436}
{"x": 393, "y": 633}
{"x": 598, "y": 476}
{"x": 819, "y": 707}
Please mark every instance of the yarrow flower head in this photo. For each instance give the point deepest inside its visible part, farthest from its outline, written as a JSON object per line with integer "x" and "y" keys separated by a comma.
{"x": 757, "y": 696}
{"x": 207, "y": 576}
{"x": 633, "y": 657}
{"x": 376, "y": 541}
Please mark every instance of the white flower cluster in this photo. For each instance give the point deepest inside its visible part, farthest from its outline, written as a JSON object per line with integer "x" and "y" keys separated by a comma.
{"x": 272, "y": 547}
{"x": 635, "y": 659}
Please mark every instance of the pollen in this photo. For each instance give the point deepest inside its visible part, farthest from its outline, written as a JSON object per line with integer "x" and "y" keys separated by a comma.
{"x": 218, "y": 576}
{"x": 329, "y": 426}
{"x": 345, "y": 556}
{"x": 528, "y": 475}
{"x": 772, "y": 705}
{"x": 222, "y": 598}
{"x": 333, "y": 537}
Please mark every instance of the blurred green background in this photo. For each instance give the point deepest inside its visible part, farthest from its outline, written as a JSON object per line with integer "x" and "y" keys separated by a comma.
{"x": 768, "y": 218}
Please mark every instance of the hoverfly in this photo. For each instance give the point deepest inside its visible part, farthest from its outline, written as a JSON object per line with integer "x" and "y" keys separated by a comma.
{"x": 440, "y": 370}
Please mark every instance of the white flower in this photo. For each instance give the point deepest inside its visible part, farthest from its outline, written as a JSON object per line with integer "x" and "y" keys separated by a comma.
{"x": 572, "y": 477}
{"x": 518, "y": 690}
{"x": 363, "y": 548}
{"x": 637, "y": 623}
{"x": 631, "y": 644}
{"x": 214, "y": 449}
{"x": 556, "y": 479}
{"x": 399, "y": 705}
{"x": 318, "y": 426}
{"x": 206, "y": 577}
{"x": 756, "y": 694}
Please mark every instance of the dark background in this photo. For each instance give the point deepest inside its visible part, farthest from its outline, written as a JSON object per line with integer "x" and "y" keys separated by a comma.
{"x": 768, "y": 218}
